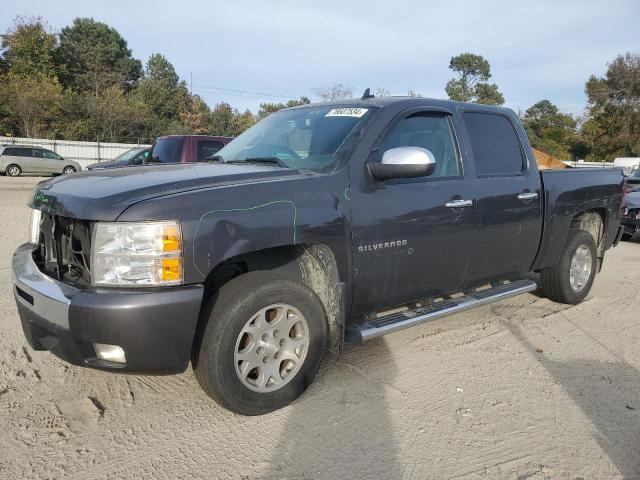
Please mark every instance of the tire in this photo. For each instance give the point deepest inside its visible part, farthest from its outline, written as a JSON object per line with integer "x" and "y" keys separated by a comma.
{"x": 68, "y": 170}
{"x": 626, "y": 237}
{"x": 215, "y": 360}
{"x": 13, "y": 170}
{"x": 556, "y": 280}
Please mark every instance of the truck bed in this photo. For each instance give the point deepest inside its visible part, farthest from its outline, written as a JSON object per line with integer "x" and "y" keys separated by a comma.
{"x": 569, "y": 191}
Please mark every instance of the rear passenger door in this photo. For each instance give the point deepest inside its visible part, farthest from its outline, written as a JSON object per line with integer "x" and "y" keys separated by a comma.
{"x": 30, "y": 161}
{"x": 509, "y": 204}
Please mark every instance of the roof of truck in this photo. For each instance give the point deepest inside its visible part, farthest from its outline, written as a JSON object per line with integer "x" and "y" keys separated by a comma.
{"x": 408, "y": 102}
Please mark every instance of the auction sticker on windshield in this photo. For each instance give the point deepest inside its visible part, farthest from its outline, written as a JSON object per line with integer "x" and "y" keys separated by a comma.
{"x": 347, "y": 112}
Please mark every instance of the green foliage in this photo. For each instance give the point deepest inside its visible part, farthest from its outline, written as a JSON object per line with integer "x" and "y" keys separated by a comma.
{"x": 613, "y": 125}
{"x": 96, "y": 57}
{"x": 267, "y": 109}
{"x": 28, "y": 48}
{"x": 471, "y": 85}
{"x": 551, "y": 131}
{"x": 32, "y": 102}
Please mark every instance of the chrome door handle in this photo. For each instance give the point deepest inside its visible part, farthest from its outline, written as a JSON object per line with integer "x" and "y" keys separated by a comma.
{"x": 459, "y": 203}
{"x": 528, "y": 196}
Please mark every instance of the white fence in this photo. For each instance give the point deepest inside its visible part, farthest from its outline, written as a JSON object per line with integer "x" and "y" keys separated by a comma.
{"x": 84, "y": 153}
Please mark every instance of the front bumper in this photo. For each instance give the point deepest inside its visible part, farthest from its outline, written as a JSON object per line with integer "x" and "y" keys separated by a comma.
{"x": 155, "y": 327}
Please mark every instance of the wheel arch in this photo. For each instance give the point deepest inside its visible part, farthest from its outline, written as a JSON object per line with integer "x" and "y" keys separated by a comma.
{"x": 312, "y": 264}
{"x": 593, "y": 221}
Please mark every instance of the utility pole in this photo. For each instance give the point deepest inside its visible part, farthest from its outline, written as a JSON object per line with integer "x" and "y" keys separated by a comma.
{"x": 191, "y": 74}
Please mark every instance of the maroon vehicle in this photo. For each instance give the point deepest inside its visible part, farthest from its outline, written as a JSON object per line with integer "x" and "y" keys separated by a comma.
{"x": 185, "y": 148}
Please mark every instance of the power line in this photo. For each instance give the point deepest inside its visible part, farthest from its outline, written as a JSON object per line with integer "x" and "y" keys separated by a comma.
{"x": 242, "y": 93}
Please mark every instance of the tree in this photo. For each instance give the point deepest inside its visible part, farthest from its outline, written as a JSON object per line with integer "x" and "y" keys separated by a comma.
{"x": 96, "y": 57}
{"x": 166, "y": 98}
{"x": 612, "y": 127}
{"x": 114, "y": 116}
{"x": 33, "y": 102}
{"x": 551, "y": 131}
{"x": 471, "y": 85}
{"x": 28, "y": 48}
{"x": 267, "y": 109}
{"x": 336, "y": 92}
{"x": 159, "y": 69}
{"x": 382, "y": 92}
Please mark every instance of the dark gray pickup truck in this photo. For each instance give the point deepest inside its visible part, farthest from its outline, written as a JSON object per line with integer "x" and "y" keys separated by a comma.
{"x": 321, "y": 224}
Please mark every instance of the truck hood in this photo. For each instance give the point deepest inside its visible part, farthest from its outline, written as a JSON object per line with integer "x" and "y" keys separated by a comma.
{"x": 105, "y": 194}
{"x": 109, "y": 164}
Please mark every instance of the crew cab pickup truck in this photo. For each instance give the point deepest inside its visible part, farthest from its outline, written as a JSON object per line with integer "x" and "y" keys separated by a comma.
{"x": 322, "y": 224}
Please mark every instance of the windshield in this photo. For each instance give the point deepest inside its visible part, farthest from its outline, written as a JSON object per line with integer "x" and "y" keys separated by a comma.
{"x": 128, "y": 155}
{"x": 635, "y": 174}
{"x": 167, "y": 150}
{"x": 312, "y": 138}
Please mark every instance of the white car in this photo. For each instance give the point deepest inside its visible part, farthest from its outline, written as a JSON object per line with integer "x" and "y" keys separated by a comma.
{"x": 18, "y": 159}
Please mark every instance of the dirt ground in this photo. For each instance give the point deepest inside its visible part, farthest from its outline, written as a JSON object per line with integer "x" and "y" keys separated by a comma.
{"x": 521, "y": 389}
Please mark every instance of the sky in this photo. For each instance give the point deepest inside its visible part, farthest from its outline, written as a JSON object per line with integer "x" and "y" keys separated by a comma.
{"x": 245, "y": 52}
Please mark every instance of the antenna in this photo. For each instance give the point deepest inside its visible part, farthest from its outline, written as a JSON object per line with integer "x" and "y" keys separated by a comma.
{"x": 367, "y": 94}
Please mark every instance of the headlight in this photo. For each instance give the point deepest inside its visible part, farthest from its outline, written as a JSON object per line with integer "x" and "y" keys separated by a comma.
{"x": 136, "y": 254}
{"x": 34, "y": 226}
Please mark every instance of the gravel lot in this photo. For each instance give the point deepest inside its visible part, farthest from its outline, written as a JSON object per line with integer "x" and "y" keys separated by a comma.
{"x": 520, "y": 389}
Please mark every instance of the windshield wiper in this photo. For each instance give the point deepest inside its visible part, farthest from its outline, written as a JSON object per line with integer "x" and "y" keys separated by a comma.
{"x": 265, "y": 160}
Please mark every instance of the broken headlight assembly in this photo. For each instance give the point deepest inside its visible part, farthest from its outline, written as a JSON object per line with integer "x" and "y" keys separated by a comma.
{"x": 136, "y": 254}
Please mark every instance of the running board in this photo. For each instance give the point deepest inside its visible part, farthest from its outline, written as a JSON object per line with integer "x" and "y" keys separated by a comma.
{"x": 399, "y": 321}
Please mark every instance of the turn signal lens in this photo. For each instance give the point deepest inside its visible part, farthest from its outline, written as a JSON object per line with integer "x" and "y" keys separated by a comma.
{"x": 170, "y": 238}
{"x": 171, "y": 269}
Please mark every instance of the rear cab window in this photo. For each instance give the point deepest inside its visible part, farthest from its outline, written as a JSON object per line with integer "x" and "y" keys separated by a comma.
{"x": 167, "y": 150}
{"x": 497, "y": 151}
{"x": 208, "y": 148}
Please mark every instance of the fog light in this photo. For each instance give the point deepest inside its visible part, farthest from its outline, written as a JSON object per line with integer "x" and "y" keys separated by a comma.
{"x": 110, "y": 353}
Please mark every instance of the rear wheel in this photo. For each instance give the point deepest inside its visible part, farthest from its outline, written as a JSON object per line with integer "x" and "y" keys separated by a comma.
{"x": 262, "y": 344}
{"x": 68, "y": 170}
{"x": 570, "y": 280}
{"x": 13, "y": 170}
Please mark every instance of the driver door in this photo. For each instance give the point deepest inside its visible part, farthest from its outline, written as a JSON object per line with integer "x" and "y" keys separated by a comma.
{"x": 413, "y": 238}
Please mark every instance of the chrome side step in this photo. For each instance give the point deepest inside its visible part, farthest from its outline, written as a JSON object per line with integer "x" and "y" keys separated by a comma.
{"x": 399, "y": 321}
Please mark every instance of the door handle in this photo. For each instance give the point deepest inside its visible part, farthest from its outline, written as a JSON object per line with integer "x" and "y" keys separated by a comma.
{"x": 459, "y": 203}
{"x": 528, "y": 196}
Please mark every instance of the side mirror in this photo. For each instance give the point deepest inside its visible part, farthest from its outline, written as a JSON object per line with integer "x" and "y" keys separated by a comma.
{"x": 404, "y": 162}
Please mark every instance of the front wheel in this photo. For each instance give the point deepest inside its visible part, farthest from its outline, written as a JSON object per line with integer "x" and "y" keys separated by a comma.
{"x": 13, "y": 171}
{"x": 68, "y": 170}
{"x": 570, "y": 280}
{"x": 262, "y": 344}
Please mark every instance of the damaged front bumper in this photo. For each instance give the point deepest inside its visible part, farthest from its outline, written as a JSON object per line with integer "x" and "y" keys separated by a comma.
{"x": 154, "y": 327}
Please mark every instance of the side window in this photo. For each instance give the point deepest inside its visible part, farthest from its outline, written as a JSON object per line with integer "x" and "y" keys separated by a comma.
{"x": 16, "y": 152}
{"x": 50, "y": 154}
{"x": 432, "y": 132}
{"x": 495, "y": 144}
{"x": 208, "y": 148}
{"x": 36, "y": 152}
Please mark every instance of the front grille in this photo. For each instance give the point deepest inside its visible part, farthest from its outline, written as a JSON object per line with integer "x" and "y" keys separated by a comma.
{"x": 64, "y": 249}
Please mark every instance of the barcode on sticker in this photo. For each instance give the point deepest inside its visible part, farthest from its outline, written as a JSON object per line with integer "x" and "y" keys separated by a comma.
{"x": 347, "y": 112}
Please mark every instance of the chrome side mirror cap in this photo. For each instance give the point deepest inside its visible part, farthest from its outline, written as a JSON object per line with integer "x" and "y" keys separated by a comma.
{"x": 404, "y": 162}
